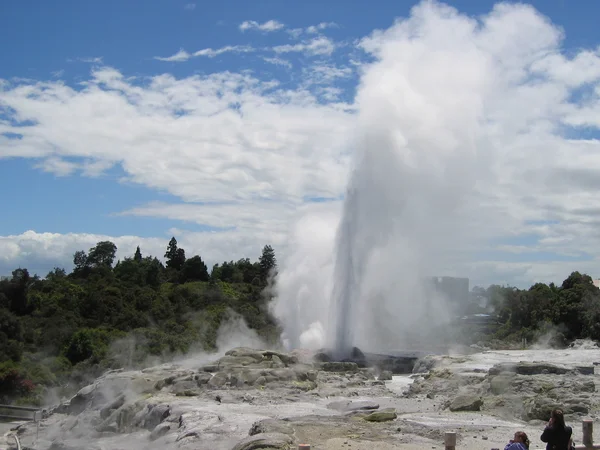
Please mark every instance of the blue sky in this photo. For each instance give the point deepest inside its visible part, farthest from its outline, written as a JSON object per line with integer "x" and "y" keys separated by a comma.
{"x": 72, "y": 43}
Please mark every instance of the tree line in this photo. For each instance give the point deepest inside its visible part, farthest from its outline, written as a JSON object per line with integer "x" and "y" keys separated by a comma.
{"x": 567, "y": 311}
{"x": 66, "y": 328}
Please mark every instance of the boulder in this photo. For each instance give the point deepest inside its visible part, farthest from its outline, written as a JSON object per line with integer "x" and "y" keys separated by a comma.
{"x": 529, "y": 368}
{"x": 501, "y": 383}
{"x": 339, "y": 367}
{"x": 271, "y": 426}
{"x": 384, "y": 415}
{"x": 386, "y": 375}
{"x": 83, "y": 399}
{"x": 218, "y": 380}
{"x": 257, "y": 355}
{"x": 202, "y": 378}
{"x": 116, "y": 404}
{"x": 466, "y": 402}
{"x": 159, "y": 431}
{"x": 348, "y": 405}
{"x": 265, "y": 441}
{"x": 155, "y": 415}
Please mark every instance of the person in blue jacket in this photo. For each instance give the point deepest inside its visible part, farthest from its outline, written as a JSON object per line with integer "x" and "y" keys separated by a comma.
{"x": 519, "y": 442}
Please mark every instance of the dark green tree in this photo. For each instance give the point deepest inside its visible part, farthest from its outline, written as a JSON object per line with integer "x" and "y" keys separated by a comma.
{"x": 80, "y": 260}
{"x": 267, "y": 264}
{"x": 194, "y": 269}
{"x": 175, "y": 256}
{"x": 102, "y": 255}
{"x": 138, "y": 254}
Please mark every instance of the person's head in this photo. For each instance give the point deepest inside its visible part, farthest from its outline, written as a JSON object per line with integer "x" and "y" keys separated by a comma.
{"x": 521, "y": 437}
{"x": 557, "y": 417}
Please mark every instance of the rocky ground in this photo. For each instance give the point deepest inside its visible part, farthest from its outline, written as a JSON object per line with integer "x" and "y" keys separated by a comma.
{"x": 252, "y": 400}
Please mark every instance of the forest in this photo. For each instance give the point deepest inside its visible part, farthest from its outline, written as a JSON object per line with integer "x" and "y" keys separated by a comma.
{"x": 62, "y": 330}
{"x": 59, "y": 332}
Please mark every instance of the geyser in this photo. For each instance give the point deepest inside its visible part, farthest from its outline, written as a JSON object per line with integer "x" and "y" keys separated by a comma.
{"x": 417, "y": 134}
{"x": 441, "y": 125}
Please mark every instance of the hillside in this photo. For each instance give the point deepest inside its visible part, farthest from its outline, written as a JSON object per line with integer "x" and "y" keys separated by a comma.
{"x": 60, "y": 331}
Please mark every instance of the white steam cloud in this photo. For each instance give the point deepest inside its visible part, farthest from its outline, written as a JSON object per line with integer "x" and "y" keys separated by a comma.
{"x": 431, "y": 120}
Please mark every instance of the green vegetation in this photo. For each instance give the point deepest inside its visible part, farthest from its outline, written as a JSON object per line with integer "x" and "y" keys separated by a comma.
{"x": 68, "y": 328}
{"x": 550, "y": 314}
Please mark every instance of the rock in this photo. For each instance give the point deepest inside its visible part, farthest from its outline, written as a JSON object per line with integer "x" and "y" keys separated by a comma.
{"x": 501, "y": 383}
{"x": 424, "y": 365}
{"x": 271, "y": 426}
{"x": 585, "y": 370}
{"x": 218, "y": 380}
{"x": 210, "y": 368}
{"x": 304, "y": 373}
{"x": 286, "y": 358}
{"x": 185, "y": 388}
{"x": 159, "y": 431}
{"x": 322, "y": 357}
{"x": 348, "y": 405}
{"x": 227, "y": 363}
{"x": 529, "y": 368}
{"x": 257, "y": 355}
{"x": 265, "y": 441}
{"x": 466, "y": 402}
{"x": 386, "y": 375}
{"x": 384, "y": 415}
{"x": 83, "y": 399}
{"x": 116, "y": 404}
{"x": 202, "y": 378}
{"x": 339, "y": 367}
{"x": 155, "y": 415}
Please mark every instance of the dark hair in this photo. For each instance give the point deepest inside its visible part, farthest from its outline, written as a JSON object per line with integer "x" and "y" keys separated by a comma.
{"x": 558, "y": 418}
{"x": 523, "y": 438}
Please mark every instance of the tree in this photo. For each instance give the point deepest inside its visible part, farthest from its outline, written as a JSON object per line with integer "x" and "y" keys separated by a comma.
{"x": 80, "y": 260}
{"x": 102, "y": 255}
{"x": 138, "y": 254}
{"x": 175, "y": 256}
{"x": 194, "y": 269}
{"x": 267, "y": 263}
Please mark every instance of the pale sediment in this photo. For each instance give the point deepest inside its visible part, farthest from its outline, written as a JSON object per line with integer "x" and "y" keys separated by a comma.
{"x": 250, "y": 398}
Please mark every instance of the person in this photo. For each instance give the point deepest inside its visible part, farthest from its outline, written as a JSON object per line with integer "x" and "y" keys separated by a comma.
{"x": 519, "y": 442}
{"x": 557, "y": 434}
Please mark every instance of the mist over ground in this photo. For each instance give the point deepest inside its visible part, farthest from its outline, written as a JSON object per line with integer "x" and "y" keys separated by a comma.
{"x": 448, "y": 113}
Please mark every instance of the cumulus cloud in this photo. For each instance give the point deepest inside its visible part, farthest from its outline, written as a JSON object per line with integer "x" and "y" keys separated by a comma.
{"x": 267, "y": 27}
{"x": 41, "y": 252}
{"x": 240, "y": 141}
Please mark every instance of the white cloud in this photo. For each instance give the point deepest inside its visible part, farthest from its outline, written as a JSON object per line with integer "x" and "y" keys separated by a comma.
{"x": 319, "y": 46}
{"x": 258, "y": 146}
{"x": 41, "y": 252}
{"x": 278, "y": 62}
{"x": 190, "y": 6}
{"x": 267, "y": 27}
{"x": 92, "y": 59}
{"x": 315, "y": 29}
{"x": 57, "y": 166}
{"x": 295, "y": 33}
{"x": 180, "y": 56}
{"x": 211, "y": 53}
